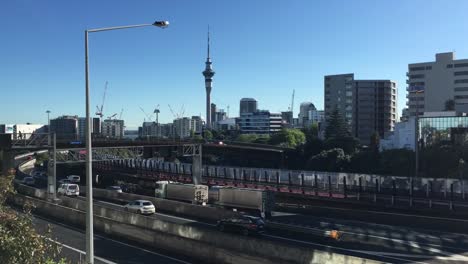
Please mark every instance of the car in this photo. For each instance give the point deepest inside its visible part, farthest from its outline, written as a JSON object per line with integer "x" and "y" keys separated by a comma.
{"x": 114, "y": 188}
{"x": 244, "y": 224}
{"x": 30, "y": 181}
{"x": 69, "y": 189}
{"x": 74, "y": 178}
{"x": 62, "y": 181}
{"x": 140, "y": 207}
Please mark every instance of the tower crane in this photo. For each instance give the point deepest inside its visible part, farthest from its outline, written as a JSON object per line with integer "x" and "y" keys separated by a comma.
{"x": 172, "y": 111}
{"x": 292, "y": 101}
{"x": 121, "y": 112}
{"x": 147, "y": 116}
{"x": 112, "y": 116}
{"x": 99, "y": 110}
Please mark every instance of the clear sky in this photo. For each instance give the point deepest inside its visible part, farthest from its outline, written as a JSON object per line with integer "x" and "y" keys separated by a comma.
{"x": 261, "y": 49}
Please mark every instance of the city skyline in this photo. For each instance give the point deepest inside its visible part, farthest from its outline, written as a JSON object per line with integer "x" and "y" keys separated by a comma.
{"x": 320, "y": 39}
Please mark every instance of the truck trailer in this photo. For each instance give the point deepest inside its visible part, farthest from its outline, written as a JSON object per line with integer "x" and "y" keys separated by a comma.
{"x": 262, "y": 201}
{"x": 193, "y": 193}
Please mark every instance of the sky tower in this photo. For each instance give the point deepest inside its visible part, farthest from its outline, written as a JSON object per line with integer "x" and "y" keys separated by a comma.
{"x": 208, "y": 73}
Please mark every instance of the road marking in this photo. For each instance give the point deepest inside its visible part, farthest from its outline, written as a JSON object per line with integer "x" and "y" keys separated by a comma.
{"x": 82, "y": 252}
{"x": 110, "y": 239}
{"x": 344, "y": 249}
{"x": 387, "y": 213}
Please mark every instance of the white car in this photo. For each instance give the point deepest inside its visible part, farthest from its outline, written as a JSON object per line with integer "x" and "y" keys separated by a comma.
{"x": 140, "y": 207}
{"x": 69, "y": 189}
{"x": 74, "y": 178}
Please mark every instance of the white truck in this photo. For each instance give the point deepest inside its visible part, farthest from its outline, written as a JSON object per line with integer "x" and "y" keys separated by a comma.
{"x": 193, "y": 193}
{"x": 243, "y": 199}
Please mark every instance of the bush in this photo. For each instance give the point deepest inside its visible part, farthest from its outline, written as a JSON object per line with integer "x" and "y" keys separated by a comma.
{"x": 329, "y": 160}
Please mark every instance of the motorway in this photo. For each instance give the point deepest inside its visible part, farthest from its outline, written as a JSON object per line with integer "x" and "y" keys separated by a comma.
{"x": 387, "y": 243}
{"x": 106, "y": 250}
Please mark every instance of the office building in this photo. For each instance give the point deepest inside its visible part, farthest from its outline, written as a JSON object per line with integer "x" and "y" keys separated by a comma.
{"x": 113, "y": 128}
{"x": 219, "y": 115}
{"x": 260, "y": 122}
{"x": 432, "y": 84}
{"x": 304, "y": 110}
{"x": 287, "y": 118}
{"x": 368, "y": 106}
{"x": 182, "y": 127}
{"x": 65, "y": 127}
{"x": 95, "y": 128}
{"x": 247, "y": 105}
{"x": 196, "y": 125}
{"x": 213, "y": 114}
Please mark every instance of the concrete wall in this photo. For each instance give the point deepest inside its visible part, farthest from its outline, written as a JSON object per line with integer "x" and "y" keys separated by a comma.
{"x": 203, "y": 243}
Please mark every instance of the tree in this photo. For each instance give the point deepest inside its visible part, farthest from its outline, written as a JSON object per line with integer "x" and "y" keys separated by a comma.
{"x": 19, "y": 241}
{"x": 348, "y": 144}
{"x": 208, "y": 135}
{"x": 336, "y": 126}
{"x": 375, "y": 141}
{"x": 397, "y": 162}
{"x": 329, "y": 160}
{"x": 311, "y": 132}
{"x": 288, "y": 137}
{"x": 449, "y": 105}
{"x": 246, "y": 138}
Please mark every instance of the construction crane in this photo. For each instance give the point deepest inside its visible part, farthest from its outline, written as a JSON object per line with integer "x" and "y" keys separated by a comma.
{"x": 99, "y": 110}
{"x": 121, "y": 112}
{"x": 227, "y": 114}
{"x": 147, "y": 116}
{"x": 156, "y": 111}
{"x": 112, "y": 116}
{"x": 172, "y": 111}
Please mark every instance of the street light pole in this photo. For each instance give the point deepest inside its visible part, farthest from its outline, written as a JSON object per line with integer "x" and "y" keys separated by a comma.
{"x": 89, "y": 168}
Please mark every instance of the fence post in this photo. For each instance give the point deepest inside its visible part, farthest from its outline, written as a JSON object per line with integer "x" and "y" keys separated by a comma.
{"x": 463, "y": 188}
{"x": 329, "y": 187}
{"x": 267, "y": 179}
{"x": 451, "y": 196}
{"x": 289, "y": 181}
{"x": 376, "y": 189}
{"x": 344, "y": 187}
{"x": 411, "y": 193}
{"x": 302, "y": 183}
{"x": 393, "y": 191}
{"x": 278, "y": 180}
{"x": 359, "y": 188}
{"x": 315, "y": 184}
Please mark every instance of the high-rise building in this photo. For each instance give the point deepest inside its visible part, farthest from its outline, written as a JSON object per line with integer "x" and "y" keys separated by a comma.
{"x": 65, "y": 127}
{"x": 182, "y": 127}
{"x": 196, "y": 125}
{"x": 368, "y": 106}
{"x": 113, "y": 128}
{"x": 304, "y": 109}
{"x": 247, "y": 105}
{"x": 95, "y": 129}
{"x": 213, "y": 114}
{"x": 375, "y": 108}
{"x": 208, "y": 73}
{"x": 432, "y": 84}
{"x": 287, "y": 118}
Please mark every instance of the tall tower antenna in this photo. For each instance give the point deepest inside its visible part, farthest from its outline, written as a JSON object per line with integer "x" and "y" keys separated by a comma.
{"x": 208, "y": 73}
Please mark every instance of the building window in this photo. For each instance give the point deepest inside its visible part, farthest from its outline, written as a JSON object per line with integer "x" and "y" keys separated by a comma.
{"x": 461, "y": 81}
{"x": 460, "y": 73}
{"x": 449, "y": 65}
{"x": 461, "y": 89}
{"x": 417, "y": 68}
{"x": 428, "y": 67}
{"x": 459, "y": 65}
{"x": 417, "y": 76}
{"x": 461, "y": 96}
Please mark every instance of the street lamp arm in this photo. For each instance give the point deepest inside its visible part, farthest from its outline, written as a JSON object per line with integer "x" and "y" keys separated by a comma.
{"x": 119, "y": 27}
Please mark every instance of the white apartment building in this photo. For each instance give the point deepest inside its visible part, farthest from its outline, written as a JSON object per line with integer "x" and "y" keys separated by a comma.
{"x": 431, "y": 84}
{"x": 113, "y": 128}
{"x": 403, "y": 136}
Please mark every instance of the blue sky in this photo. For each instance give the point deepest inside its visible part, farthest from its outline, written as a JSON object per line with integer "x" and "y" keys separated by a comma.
{"x": 261, "y": 49}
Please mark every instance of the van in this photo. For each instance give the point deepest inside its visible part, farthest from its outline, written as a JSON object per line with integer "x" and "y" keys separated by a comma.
{"x": 74, "y": 178}
{"x": 69, "y": 189}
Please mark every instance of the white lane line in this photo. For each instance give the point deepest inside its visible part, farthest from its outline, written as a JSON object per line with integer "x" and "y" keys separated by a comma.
{"x": 82, "y": 252}
{"x": 411, "y": 243}
{"x": 344, "y": 249}
{"x": 449, "y": 258}
{"x": 119, "y": 242}
{"x": 387, "y": 213}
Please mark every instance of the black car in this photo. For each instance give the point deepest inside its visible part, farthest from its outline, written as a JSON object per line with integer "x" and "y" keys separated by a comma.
{"x": 243, "y": 224}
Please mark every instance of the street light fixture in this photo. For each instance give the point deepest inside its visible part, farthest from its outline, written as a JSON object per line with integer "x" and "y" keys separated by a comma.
{"x": 89, "y": 174}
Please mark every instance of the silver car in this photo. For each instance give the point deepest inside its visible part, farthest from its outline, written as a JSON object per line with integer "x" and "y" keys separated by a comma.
{"x": 140, "y": 207}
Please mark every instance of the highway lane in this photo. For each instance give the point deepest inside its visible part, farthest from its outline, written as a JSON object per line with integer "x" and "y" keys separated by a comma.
{"x": 107, "y": 250}
{"x": 381, "y": 242}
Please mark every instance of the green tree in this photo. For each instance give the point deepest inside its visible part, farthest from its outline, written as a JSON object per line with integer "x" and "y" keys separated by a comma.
{"x": 247, "y": 138}
{"x": 348, "y": 144}
{"x": 329, "y": 160}
{"x": 288, "y": 137}
{"x": 449, "y": 105}
{"x": 375, "y": 141}
{"x": 397, "y": 162}
{"x": 19, "y": 241}
{"x": 336, "y": 126}
{"x": 208, "y": 135}
{"x": 311, "y": 132}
